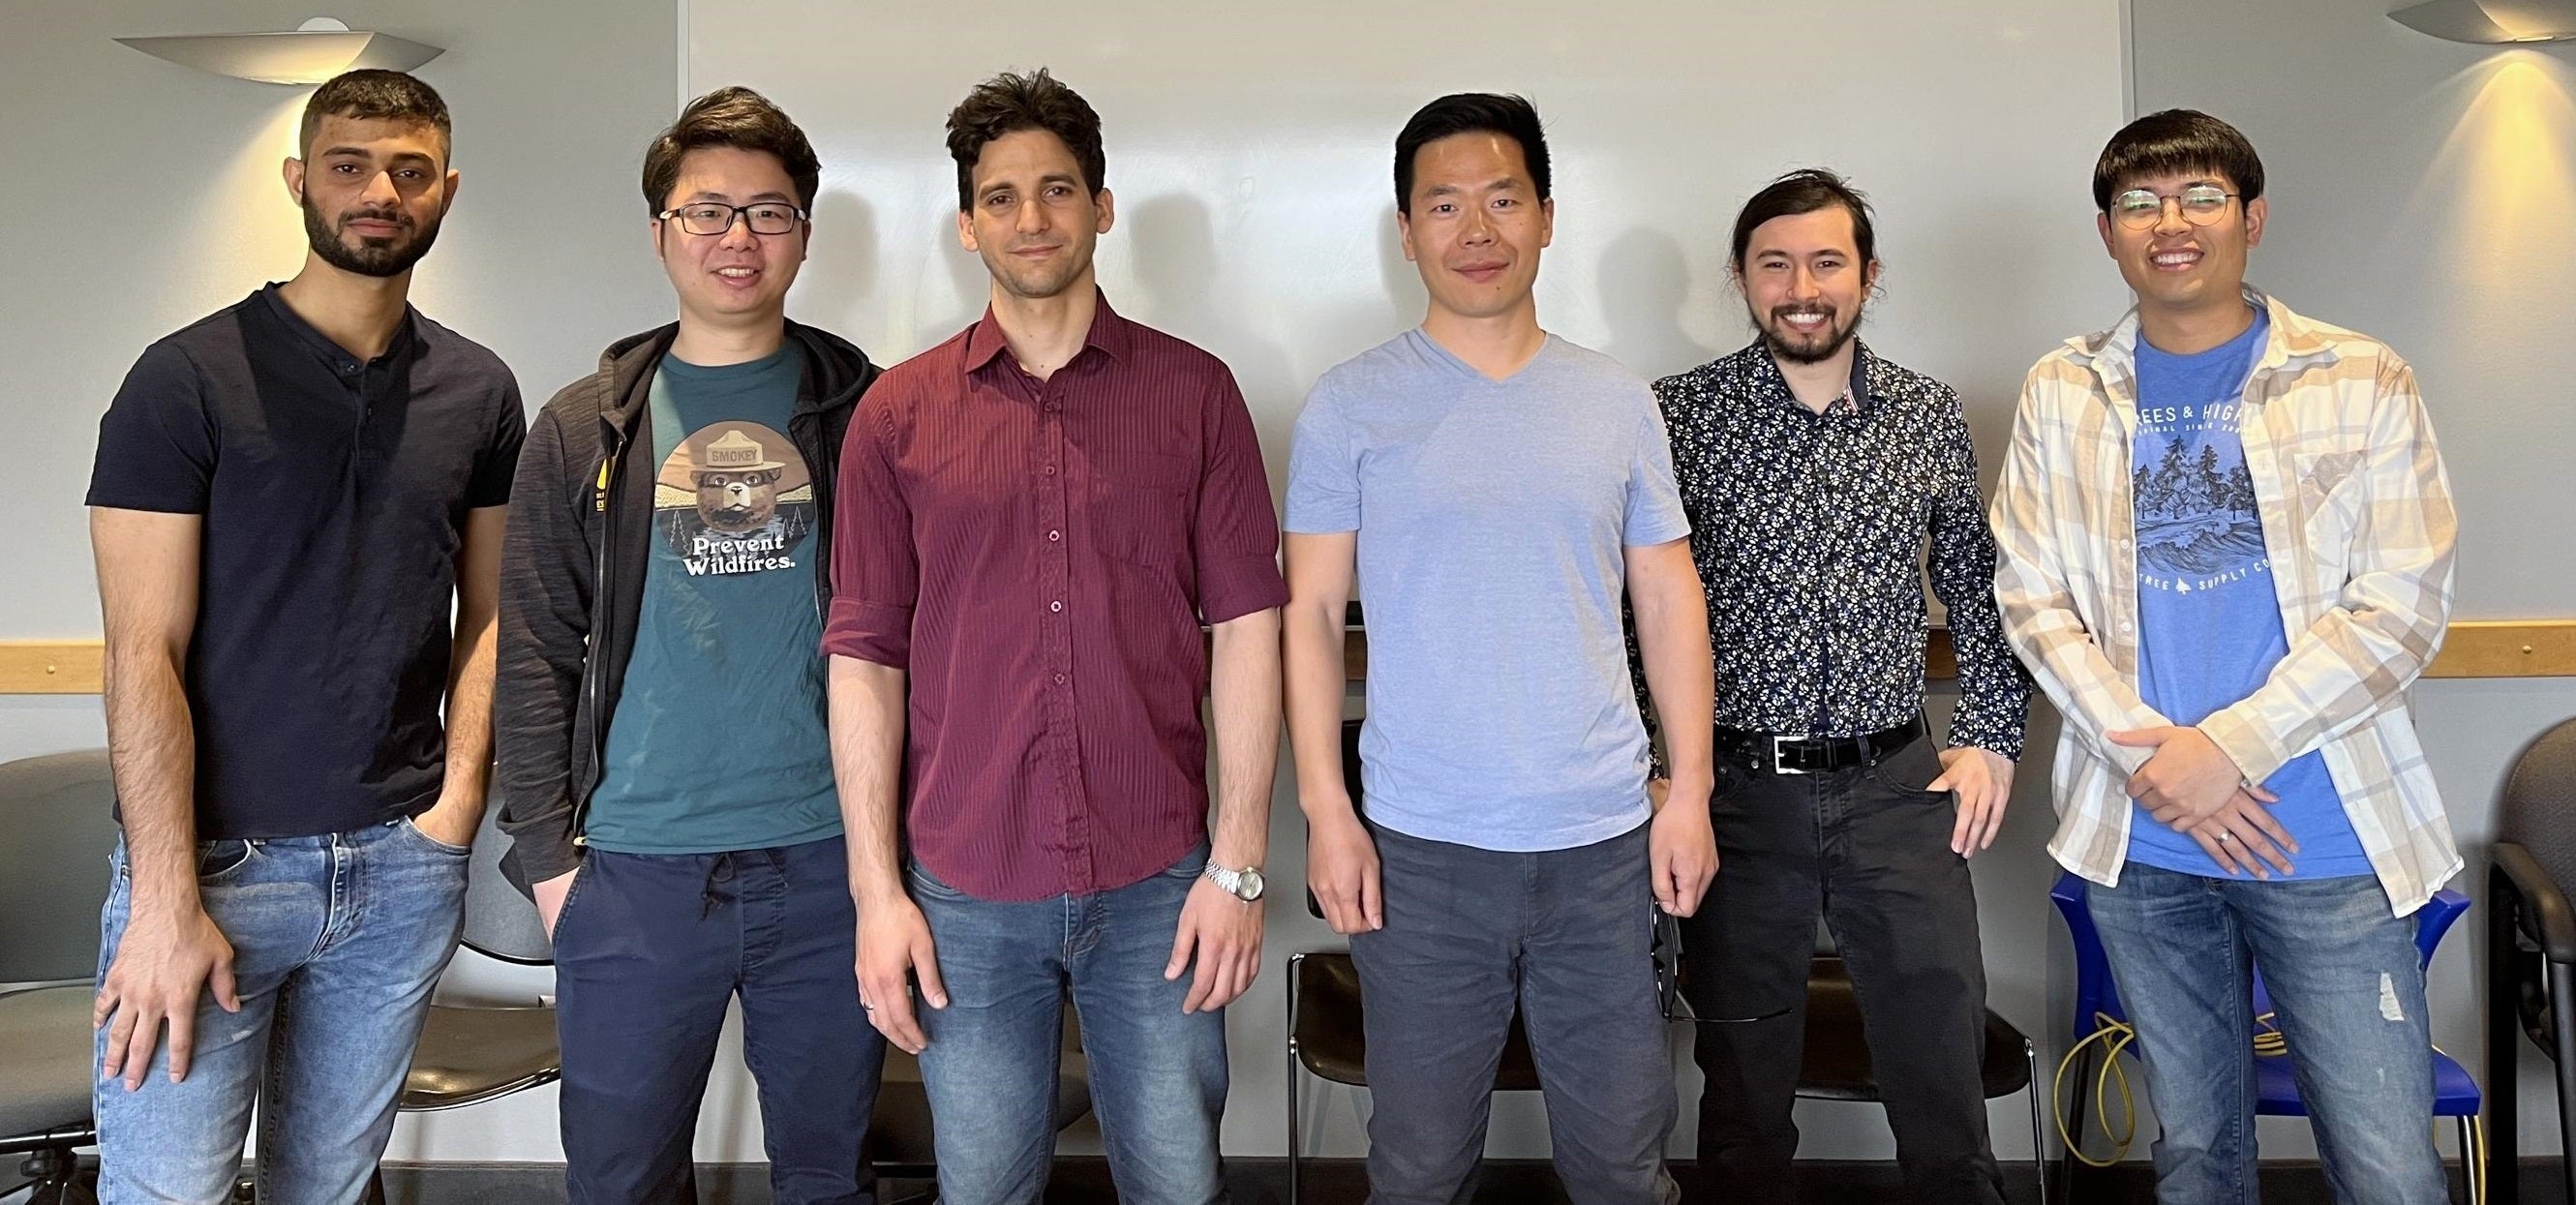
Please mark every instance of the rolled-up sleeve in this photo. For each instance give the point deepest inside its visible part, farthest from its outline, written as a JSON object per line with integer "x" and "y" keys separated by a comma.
{"x": 1236, "y": 538}
{"x": 875, "y": 571}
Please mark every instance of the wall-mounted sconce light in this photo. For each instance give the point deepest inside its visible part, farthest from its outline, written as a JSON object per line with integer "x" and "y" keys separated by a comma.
{"x": 314, "y": 52}
{"x": 2492, "y": 21}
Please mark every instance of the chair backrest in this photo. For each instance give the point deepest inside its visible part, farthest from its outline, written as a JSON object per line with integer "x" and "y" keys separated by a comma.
{"x": 500, "y": 922}
{"x": 2538, "y": 811}
{"x": 2095, "y": 994}
{"x": 57, "y": 829}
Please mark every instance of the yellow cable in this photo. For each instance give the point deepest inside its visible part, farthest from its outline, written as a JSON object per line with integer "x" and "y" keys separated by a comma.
{"x": 2115, "y": 1037}
{"x": 2269, "y": 1042}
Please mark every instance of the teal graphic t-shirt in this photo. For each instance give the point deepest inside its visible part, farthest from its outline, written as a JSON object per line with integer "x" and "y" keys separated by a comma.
{"x": 718, "y": 742}
{"x": 2209, "y": 623}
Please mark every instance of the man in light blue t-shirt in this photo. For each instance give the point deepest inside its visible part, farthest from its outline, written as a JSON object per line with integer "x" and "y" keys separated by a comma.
{"x": 1493, "y": 491}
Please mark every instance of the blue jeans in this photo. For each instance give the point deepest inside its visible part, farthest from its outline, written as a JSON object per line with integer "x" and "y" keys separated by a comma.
{"x": 1158, "y": 1075}
{"x": 337, "y": 941}
{"x": 649, "y": 950}
{"x": 2348, "y": 986}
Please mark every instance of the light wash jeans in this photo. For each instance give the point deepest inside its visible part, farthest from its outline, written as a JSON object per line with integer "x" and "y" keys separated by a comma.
{"x": 2348, "y": 987}
{"x": 1158, "y": 1075}
{"x": 337, "y": 941}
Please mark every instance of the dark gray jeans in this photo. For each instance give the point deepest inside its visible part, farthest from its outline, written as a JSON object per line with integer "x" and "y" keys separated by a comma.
{"x": 1870, "y": 849}
{"x": 1565, "y": 936}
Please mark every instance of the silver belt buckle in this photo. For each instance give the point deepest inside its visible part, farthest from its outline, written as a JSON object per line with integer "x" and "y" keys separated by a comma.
{"x": 1777, "y": 766}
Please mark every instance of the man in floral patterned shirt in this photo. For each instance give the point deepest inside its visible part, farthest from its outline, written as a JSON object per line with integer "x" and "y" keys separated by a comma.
{"x": 1812, "y": 471}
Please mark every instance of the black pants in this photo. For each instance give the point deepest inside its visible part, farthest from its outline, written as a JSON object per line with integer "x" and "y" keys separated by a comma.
{"x": 649, "y": 950}
{"x": 1870, "y": 849}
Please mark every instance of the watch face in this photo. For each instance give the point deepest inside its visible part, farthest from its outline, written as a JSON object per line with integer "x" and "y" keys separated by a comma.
{"x": 1248, "y": 886}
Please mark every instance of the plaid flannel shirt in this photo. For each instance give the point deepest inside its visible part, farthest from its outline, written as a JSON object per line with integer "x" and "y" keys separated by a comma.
{"x": 2358, "y": 522}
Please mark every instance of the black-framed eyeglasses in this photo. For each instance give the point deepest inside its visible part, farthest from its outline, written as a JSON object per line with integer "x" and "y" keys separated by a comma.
{"x": 1667, "y": 952}
{"x": 2201, "y": 205}
{"x": 716, "y": 217}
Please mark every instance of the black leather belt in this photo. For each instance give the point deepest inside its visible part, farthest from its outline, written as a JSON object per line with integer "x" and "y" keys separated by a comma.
{"x": 1781, "y": 754}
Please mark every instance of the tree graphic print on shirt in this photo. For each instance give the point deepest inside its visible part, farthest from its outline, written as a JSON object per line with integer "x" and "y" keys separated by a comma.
{"x": 2196, "y": 518}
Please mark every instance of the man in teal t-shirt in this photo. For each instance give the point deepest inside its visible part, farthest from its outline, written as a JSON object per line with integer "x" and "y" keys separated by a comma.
{"x": 718, "y": 743}
{"x": 666, "y": 771}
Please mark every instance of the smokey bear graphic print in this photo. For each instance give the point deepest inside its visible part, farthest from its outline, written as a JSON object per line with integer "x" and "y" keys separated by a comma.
{"x": 734, "y": 498}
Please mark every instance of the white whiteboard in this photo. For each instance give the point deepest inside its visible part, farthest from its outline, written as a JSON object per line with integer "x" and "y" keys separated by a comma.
{"x": 1250, "y": 152}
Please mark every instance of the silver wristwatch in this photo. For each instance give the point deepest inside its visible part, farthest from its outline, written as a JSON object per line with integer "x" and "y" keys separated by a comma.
{"x": 1244, "y": 884}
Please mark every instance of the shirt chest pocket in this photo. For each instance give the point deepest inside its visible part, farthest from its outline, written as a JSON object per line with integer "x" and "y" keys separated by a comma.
{"x": 1140, "y": 505}
{"x": 2334, "y": 496}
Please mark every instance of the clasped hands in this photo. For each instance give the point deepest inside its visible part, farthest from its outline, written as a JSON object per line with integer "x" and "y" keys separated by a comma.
{"x": 2192, "y": 786}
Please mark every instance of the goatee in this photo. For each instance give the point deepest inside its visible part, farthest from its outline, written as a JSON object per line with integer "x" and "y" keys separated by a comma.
{"x": 372, "y": 256}
{"x": 1811, "y": 350}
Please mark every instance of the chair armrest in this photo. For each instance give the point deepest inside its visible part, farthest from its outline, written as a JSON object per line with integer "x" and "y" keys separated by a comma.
{"x": 2541, "y": 898}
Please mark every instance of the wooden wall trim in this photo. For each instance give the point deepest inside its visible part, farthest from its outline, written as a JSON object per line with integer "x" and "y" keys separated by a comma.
{"x": 36, "y": 667}
{"x": 2476, "y": 648}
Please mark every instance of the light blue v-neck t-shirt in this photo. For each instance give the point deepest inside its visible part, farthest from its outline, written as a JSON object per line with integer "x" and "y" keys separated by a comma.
{"x": 1492, "y": 518}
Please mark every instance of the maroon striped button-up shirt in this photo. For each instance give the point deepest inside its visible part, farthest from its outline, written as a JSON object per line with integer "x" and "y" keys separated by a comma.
{"x": 1038, "y": 556}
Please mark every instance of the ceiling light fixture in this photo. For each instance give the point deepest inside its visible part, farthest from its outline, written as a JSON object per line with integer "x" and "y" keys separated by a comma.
{"x": 2491, "y": 21}
{"x": 314, "y": 52}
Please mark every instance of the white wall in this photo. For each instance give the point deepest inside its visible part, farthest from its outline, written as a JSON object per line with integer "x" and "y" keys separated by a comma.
{"x": 2425, "y": 192}
{"x": 1250, "y": 152}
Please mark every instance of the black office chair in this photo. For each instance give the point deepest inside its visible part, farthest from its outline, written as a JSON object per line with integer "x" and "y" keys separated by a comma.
{"x": 1836, "y": 1056}
{"x": 469, "y": 1054}
{"x": 1325, "y": 1037}
{"x": 900, "y": 1138}
{"x": 2531, "y": 947}
{"x": 58, "y": 811}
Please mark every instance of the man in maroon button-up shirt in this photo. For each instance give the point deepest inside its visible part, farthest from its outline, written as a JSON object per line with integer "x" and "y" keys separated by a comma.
{"x": 1036, "y": 516}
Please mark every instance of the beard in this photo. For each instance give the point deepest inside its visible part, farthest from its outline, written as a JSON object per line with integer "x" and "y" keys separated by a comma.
{"x": 372, "y": 256}
{"x": 1798, "y": 348}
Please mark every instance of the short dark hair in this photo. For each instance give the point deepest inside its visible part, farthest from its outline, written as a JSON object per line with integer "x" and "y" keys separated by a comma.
{"x": 1513, "y": 117}
{"x": 1009, "y": 103}
{"x": 1805, "y": 190}
{"x": 734, "y": 117}
{"x": 2177, "y": 140}
{"x": 374, "y": 94}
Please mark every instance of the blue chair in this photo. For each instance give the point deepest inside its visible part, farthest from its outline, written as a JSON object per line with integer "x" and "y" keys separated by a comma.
{"x": 2097, "y": 1004}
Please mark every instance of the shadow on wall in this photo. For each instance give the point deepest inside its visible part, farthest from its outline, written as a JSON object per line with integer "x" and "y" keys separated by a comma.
{"x": 1645, "y": 294}
{"x": 970, "y": 283}
{"x": 1173, "y": 239}
{"x": 838, "y": 281}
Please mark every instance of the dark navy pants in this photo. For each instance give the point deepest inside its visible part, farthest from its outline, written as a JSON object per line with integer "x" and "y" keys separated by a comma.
{"x": 649, "y": 950}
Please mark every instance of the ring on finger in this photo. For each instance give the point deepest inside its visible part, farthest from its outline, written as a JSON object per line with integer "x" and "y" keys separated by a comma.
{"x": 2225, "y": 836}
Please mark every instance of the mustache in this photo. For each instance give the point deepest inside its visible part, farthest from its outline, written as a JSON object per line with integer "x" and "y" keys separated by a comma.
{"x": 395, "y": 216}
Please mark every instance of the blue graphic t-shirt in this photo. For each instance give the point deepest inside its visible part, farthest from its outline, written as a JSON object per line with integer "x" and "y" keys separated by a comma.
{"x": 2210, "y": 625}
{"x": 718, "y": 742}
